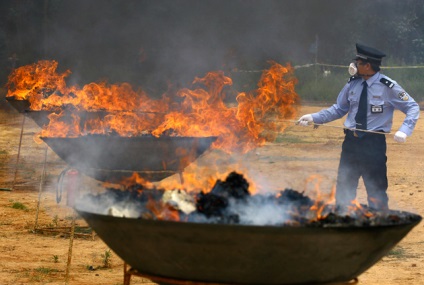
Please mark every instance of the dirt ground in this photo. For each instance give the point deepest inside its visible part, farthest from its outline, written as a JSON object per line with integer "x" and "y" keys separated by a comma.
{"x": 41, "y": 256}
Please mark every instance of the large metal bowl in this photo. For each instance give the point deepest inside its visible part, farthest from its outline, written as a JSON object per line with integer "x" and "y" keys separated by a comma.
{"x": 110, "y": 158}
{"x": 237, "y": 254}
{"x": 20, "y": 105}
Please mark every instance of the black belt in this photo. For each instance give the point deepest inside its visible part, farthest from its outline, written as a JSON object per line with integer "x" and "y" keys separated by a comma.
{"x": 353, "y": 133}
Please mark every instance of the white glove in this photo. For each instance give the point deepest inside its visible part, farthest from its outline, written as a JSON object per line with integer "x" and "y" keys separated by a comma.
{"x": 305, "y": 120}
{"x": 400, "y": 137}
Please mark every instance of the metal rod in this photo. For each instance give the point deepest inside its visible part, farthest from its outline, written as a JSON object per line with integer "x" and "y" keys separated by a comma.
{"x": 40, "y": 189}
{"x": 19, "y": 152}
{"x": 340, "y": 127}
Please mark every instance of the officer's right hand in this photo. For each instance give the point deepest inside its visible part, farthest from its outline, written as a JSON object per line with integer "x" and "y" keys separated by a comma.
{"x": 305, "y": 120}
{"x": 400, "y": 137}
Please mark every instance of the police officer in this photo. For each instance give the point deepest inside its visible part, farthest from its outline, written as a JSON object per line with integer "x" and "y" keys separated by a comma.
{"x": 369, "y": 100}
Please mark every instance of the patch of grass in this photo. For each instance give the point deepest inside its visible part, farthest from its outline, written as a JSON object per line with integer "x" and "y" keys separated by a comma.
{"x": 106, "y": 259}
{"x": 56, "y": 220}
{"x": 45, "y": 270}
{"x": 19, "y": 206}
{"x": 24, "y": 274}
{"x": 40, "y": 273}
{"x": 3, "y": 152}
{"x": 69, "y": 218}
{"x": 396, "y": 252}
{"x": 286, "y": 138}
{"x": 399, "y": 252}
{"x": 83, "y": 230}
{"x": 55, "y": 258}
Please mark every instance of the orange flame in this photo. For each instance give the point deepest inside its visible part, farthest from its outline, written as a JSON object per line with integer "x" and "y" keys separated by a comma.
{"x": 201, "y": 113}
{"x": 162, "y": 211}
{"x": 31, "y": 81}
{"x": 136, "y": 179}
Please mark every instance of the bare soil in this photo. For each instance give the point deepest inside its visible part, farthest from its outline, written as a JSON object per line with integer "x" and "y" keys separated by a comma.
{"x": 30, "y": 256}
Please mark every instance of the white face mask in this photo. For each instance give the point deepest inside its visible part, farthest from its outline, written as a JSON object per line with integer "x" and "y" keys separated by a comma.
{"x": 353, "y": 69}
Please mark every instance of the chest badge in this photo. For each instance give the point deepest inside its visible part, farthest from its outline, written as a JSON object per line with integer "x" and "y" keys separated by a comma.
{"x": 376, "y": 109}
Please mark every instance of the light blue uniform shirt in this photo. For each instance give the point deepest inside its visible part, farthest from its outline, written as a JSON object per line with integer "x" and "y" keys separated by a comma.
{"x": 382, "y": 101}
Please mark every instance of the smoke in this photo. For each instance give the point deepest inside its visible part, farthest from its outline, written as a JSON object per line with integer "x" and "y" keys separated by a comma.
{"x": 256, "y": 210}
{"x": 152, "y": 43}
{"x": 259, "y": 212}
{"x": 229, "y": 201}
{"x": 108, "y": 204}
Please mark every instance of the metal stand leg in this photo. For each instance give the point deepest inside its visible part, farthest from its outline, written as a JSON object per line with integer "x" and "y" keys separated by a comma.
{"x": 19, "y": 152}
{"x": 40, "y": 189}
{"x": 127, "y": 275}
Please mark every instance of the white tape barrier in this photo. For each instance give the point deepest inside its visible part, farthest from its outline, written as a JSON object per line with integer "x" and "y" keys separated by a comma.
{"x": 334, "y": 65}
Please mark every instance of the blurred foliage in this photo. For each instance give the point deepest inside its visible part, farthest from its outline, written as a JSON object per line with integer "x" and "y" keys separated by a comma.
{"x": 319, "y": 85}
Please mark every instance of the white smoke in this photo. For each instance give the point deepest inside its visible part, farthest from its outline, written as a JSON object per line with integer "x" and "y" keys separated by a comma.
{"x": 258, "y": 213}
{"x": 104, "y": 204}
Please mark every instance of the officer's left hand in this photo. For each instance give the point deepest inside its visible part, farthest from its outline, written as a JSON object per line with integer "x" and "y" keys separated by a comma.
{"x": 400, "y": 137}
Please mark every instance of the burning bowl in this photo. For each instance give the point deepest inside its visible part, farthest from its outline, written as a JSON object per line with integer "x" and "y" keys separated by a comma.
{"x": 240, "y": 254}
{"x": 112, "y": 158}
{"x": 23, "y": 106}
{"x": 19, "y": 105}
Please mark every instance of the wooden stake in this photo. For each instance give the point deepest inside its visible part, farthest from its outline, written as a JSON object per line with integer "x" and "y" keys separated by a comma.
{"x": 71, "y": 242}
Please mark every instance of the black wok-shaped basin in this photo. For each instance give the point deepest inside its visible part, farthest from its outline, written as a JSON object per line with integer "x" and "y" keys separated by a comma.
{"x": 237, "y": 254}
{"x": 23, "y": 106}
{"x": 20, "y": 105}
{"x": 110, "y": 158}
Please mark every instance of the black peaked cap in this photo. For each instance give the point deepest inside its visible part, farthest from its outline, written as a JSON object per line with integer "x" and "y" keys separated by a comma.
{"x": 368, "y": 53}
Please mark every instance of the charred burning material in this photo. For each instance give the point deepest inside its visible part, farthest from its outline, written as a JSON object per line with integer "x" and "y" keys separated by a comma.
{"x": 215, "y": 203}
{"x": 229, "y": 202}
{"x": 219, "y": 242}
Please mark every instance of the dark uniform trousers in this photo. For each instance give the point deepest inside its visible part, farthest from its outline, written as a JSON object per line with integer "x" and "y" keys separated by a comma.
{"x": 366, "y": 157}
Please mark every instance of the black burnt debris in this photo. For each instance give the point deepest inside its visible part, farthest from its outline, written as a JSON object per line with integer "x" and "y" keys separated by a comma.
{"x": 215, "y": 203}
{"x": 229, "y": 202}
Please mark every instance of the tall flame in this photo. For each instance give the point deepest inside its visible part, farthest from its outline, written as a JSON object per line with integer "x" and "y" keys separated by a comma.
{"x": 102, "y": 108}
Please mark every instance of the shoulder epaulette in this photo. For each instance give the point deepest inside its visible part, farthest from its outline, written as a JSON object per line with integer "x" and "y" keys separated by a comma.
{"x": 352, "y": 78}
{"x": 387, "y": 82}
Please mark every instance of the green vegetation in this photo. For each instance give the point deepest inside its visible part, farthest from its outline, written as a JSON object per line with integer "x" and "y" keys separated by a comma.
{"x": 83, "y": 230}
{"x": 287, "y": 138}
{"x": 20, "y": 206}
{"x": 45, "y": 270}
{"x": 399, "y": 252}
{"x": 314, "y": 86}
{"x": 55, "y": 220}
{"x": 106, "y": 259}
{"x": 40, "y": 274}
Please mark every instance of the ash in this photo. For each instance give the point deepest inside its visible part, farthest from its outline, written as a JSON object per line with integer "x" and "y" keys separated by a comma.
{"x": 229, "y": 202}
